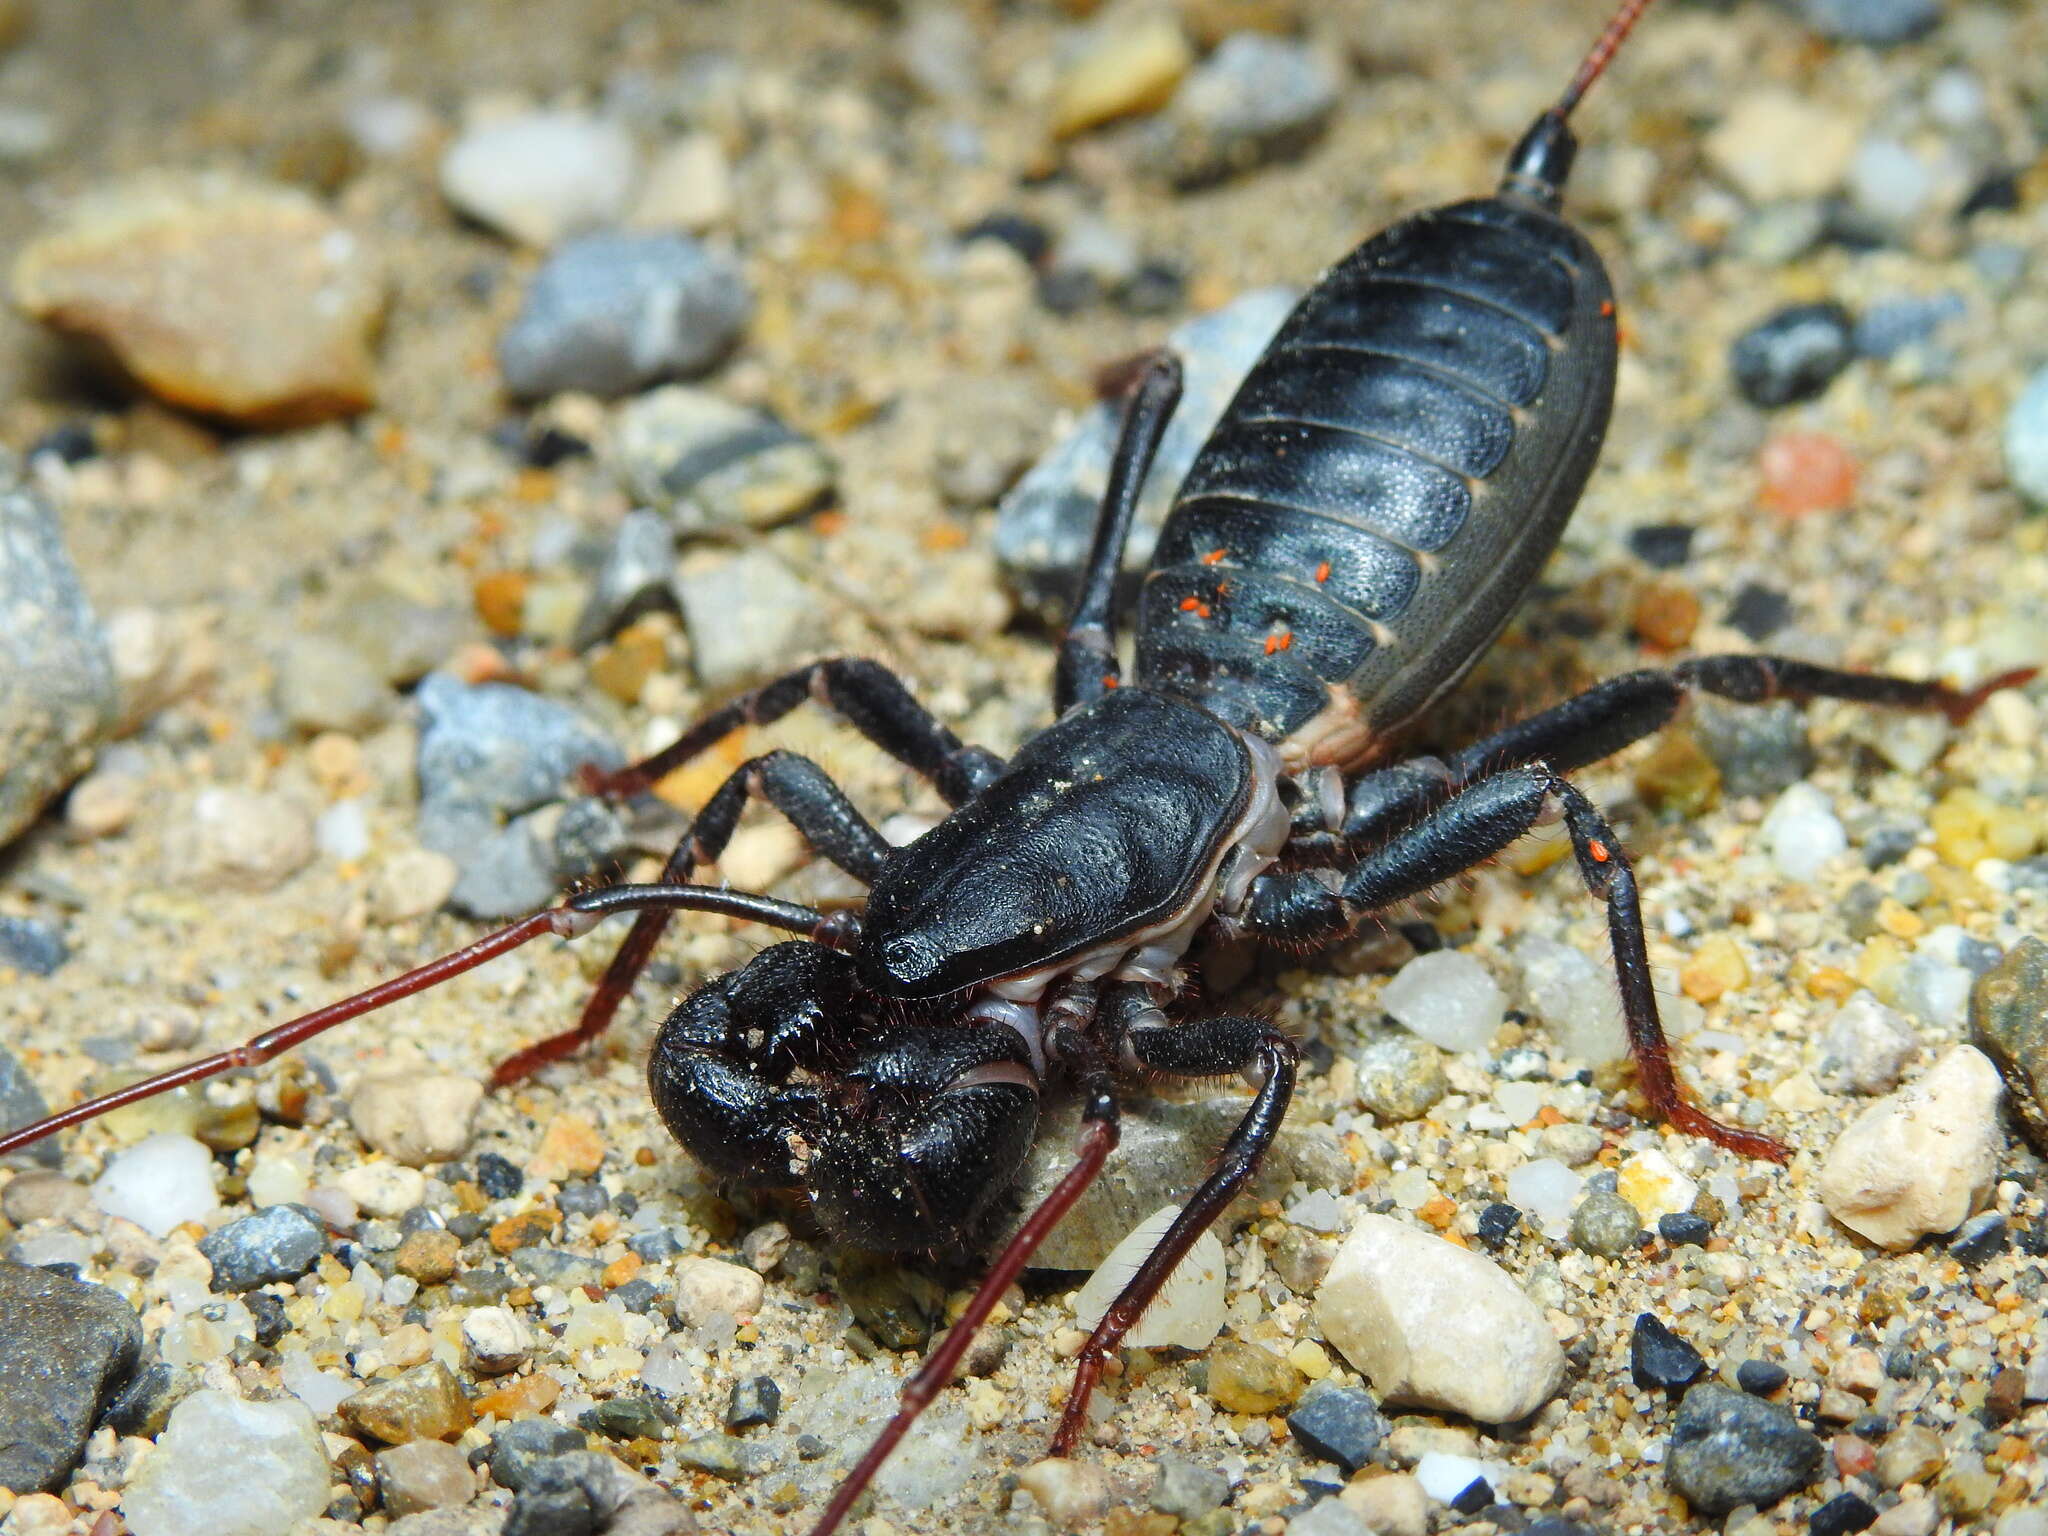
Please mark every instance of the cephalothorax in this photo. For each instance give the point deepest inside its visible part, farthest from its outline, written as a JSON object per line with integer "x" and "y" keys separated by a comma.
{"x": 1375, "y": 501}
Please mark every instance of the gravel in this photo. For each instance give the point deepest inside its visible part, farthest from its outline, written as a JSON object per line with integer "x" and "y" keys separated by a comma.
{"x": 1657, "y": 1357}
{"x": 1729, "y": 1449}
{"x": 541, "y": 176}
{"x": 281, "y": 1242}
{"x": 230, "y": 1468}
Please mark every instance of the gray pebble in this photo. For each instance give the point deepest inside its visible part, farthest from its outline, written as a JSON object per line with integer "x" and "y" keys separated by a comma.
{"x": 31, "y": 946}
{"x": 2009, "y": 1023}
{"x": 1255, "y": 100}
{"x": 1340, "y": 1424}
{"x": 1758, "y": 748}
{"x": 1792, "y": 355}
{"x": 523, "y": 1444}
{"x": 638, "y": 575}
{"x": 324, "y": 684}
{"x": 755, "y": 1400}
{"x": 64, "y": 1349}
{"x": 710, "y": 464}
{"x": 1891, "y": 324}
{"x": 1044, "y": 525}
{"x": 401, "y": 640}
{"x": 280, "y": 1242}
{"x": 1188, "y": 1489}
{"x": 57, "y": 693}
{"x": 1606, "y": 1225}
{"x": 22, "y": 1103}
{"x": 749, "y": 618}
{"x": 1400, "y": 1076}
{"x": 1877, "y": 22}
{"x": 725, "y": 1457}
{"x": 1728, "y": 1448}
{"x": 1865, "y": 1048}
{"x": 613, "y": 313}
{"x": 498, "y": 749}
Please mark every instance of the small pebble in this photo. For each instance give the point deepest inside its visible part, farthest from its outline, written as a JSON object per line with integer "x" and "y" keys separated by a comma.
{"x": 755, "y": 1400}
{"x": 1793, "y": 354}
{"x": 1249, "y": 1378}
{"x": 32, "y": 947}
{"x": 1189, "y": 1310}
{"x": 428, "y": 1257}
{"x": 65, "y": 1348}
{"x": 637, "y": 575}
{"x": 1188, "y": 1489}
{"x": 706, "y": 1288}
{"x": 1573, "y": 998}
{"x": 1448, "y": 998}
{"x": 281, "y": 1242}
{"x": 610, "y": 314}
{"x": 2026, "y": 440}
{"x": 1759, "y": 612}
{"x": 500, "y": 1178}
{"x": 1802, "y": 833}
{"x": 2009, "y": 1023}
{"x": 1877, "y": 22}
{"x": 1981, "y": 1238}
{"x": 495, "y": 1340}
{"x": 633, "y": 1417}
{"x": 1657, "y": 1357}
{"x": 156, "y": 270}
{"x": 1120, "y": 69}
{"x": 493, "y": 749}
{"x": 103, "y": 803}
{"x": 750, "y": 618}
{"x": 689, "y": 186}
{"x": 1329, "y": 1517}
{"x": 1606, "y": 1225}
{"x": 517, "y": 1448}
{"x": 237, "y": 840}
{"x": 424, "y": 1403}
{"x": 1497, "y": 1224}
{"x": 1257, "y": 99}
{"x": 542, "y": 176}
{"x": 1549, "y": 1191}
{"x": 1437, "y": 1325}
{"x": 279, "y": 1473}
{"x": 1400, "y": 1077}
{"x": 1775, "y": 144}
{"x": 423, "y": 1474}
{"x": 1728, "y": 1449}
{"x": 711, "y": 465}
{"x": 1662, "y": 546}
{"x": 1761, "y": 1378}
{"x": 1865, "y": 1047}
{"x": 416, "y": 1118}
{"x": 159, "y": 1183}
{"x": 1890, "y": 326}
{"x": 1677, "y": 1227}
{"x": 1802, "y": 472}
{"x": 1339, "y": 1424}
{"x": 1068, "y": 1492}
{"x": 324, "y": 684}
{"x": 1920, "y": 1160}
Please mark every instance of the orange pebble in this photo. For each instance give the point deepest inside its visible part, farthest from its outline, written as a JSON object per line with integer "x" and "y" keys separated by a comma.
{"x": 1806, "y": 472}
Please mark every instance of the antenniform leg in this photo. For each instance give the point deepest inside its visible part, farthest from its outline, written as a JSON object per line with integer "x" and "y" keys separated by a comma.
{"x": 1200, "y": 1048}
{"x": 1317, "y": 906}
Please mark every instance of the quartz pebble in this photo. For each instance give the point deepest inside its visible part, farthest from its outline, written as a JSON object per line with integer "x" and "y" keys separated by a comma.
{"x": 1437, "y": 1325}
{"x": 1922, "y": 1159}
{"x": 2009, "y": 1023}
{"x": 1572, "y": 997}
{"x": 1400, "y": 1077}
{"x": 57, "y": 688}
{"x": 1864, "y": 1047}
{"x": 1069, "y": 1492}
{"x": 1549, "y": 1191}
{"x": 706, "y": 1288}
{"x": 159, "y": 1183}
{"x": 494, "y": 1340}
{"x": 157, "y": 271}
{"x": 1653, "y": 1186}
{"x": 1119, "y": 69}
{"x": 383, "y": 1189}
{"x": 416, "y": 1118}
{"x": 226, "y": 839}
{"x": 714, "y": 466}
{"x": 541, "y": 176}
{"x": 613, "y": 313}
{"x": 1249, "y": 1378}
{"x": 423, "y": 1474}
{"x": 1728, "y": 1448}
{"x": 1394, "y": 1504}
{"x": 65, "y": 1347}
{"x": 2026, "y": 440}
{"x": 230, "y": 1467}
{"x": 1188, "y": 1311}
{"x": 1802, "y": 833}
{"x": 1446, "y": 997}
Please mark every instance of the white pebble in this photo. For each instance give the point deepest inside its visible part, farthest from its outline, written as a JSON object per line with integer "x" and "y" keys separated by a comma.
{"x": 1802, "y": 832}
{"x": 1547, "y": 1192}
{"x": 383, "y": 1189}
{"x": 2026, "y": 441}
{"x": 228, "y": 1467}
{"x": 343, "y": 831}
{"x": 416, "y": 1117}
{"x": 1651, "y": 1183}
{"x": 1447, "y": 998}
{"x": 1922, "y": 1159}
{"x": 708, "y": 1287}
{"x": 159, "y": 1183}
{"x": 1188, "y": 1311}
{"x": 1444, "y": 1476}
{"x": 1437, "y": 1325}
{"x": 1070, "y": 1492}
{"x": 1329, "y": 1517}
{"x": 1573, "y": 998}
{"x": 494, "y": 1340}
{"x": 275, "y": 1180}
{"x": 321, "y": 1391}
{"x": 542, "y": 176}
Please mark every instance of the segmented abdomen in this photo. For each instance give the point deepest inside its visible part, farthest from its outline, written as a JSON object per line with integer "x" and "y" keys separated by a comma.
{"x": 1388, "y": 480}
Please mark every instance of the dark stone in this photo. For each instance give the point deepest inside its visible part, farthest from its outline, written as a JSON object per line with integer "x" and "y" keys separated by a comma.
{"x": 1998, "y": 192}
{"x": 555, "y": 1503}
{"x": 1477, "y": 1495}
{"x": 1760, "y": 1378}
{"x": 625, "y": 1418}
{"x": 1683, "y": 1227}
{"x": 1843, "y": 1515}
{"x": 1340, "y": 1424}
{"x": 499, "y": 1177}
{"x": 1068, "y": 290}
{"x": 33, "y": 947}
{"x": 1901, "y": 1364}
{"x": 1729, "y": 1449}
{"x": 654, "y": 1246}
{"x": 1876, "y": 22}
{"x": 272, "y": 1321}
{"x": 1188, "y": 1489}
{"x": 1662, "y": 546}
{"x": 479, "y": 1287}
{"x": 811, "y": 1447}
{"x": 64, "y": 1348}
{"x": 467, "y": 1226}
{"x": 2009, "y": 1023}
{"x": 637, "y": 1295}
{"x": 22, "y": 1103}
{"x": 1793, "y": 355}
{"x": 525, "y": 1444}
{"x": 1498, "y": 1223}
{"x": 1980, "y": 1238}
{"x": 755, "y": 1400}
{"x": 1156, "y": 288}
{"x": 896, "y": 1306}
{"x": 278, "y": 1243}
{"x": 1889, "y": 842}
{"x": 1657, "y": 1357}
{"x": 1759, "y": 748}
{"x": 1555, "y": 1525}
{"x": 1759, "y": 612}
{"x": 586, "y": 1199}
{"x": 72, "y": 442}
{"x": 1027, "y": 237}
{"x": 545, "y": 447}
{"x": 144, "y": 1405}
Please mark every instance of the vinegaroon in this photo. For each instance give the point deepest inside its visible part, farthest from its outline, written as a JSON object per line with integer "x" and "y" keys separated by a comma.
{"x": 1374, "y": 503}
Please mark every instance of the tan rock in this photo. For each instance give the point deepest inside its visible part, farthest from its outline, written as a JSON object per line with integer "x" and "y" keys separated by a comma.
{"x": 242, "y": 299}
{"x": 1753, "y": 146}
{"x": 1437, "y": 1325}
{"x": 1120, "y": 71}
{"x": 1922, "y": 1159}
{"x": 416, "y": 1118}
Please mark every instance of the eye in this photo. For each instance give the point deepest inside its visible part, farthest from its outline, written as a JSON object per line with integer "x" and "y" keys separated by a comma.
{"x": 909, "y": 958}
